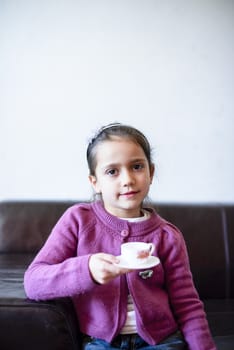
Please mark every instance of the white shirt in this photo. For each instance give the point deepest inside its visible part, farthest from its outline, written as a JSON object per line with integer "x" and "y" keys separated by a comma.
{"x": 130, "y": 323}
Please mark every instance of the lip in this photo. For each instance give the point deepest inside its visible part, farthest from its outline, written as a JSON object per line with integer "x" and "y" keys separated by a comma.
{"x": 128, "y": 194}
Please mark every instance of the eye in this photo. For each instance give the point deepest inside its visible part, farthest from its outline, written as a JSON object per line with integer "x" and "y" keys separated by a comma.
{"x": 138, "y": 166}
{"x": 111, "y": 172}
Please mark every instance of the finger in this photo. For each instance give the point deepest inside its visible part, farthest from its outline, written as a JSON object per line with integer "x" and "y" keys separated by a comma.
{"x": 109, "y": 258}
{"x": 114, "y": 260}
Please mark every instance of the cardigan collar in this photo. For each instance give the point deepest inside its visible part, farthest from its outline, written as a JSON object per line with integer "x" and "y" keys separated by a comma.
{"x": 125, "y": 227}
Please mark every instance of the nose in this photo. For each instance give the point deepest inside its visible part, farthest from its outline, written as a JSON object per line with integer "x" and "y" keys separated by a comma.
{"x": 127, "y": 178}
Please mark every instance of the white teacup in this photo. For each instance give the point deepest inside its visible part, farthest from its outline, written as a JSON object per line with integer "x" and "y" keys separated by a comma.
{"x": 136, "y": 252}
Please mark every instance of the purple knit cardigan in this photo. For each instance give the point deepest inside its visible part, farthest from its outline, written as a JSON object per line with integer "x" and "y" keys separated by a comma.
{"x": 164, "y": 302}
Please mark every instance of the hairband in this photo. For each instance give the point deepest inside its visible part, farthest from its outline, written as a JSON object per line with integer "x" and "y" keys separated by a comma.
{"x": 109, "y": 126}
{"x": 101, "y": 130}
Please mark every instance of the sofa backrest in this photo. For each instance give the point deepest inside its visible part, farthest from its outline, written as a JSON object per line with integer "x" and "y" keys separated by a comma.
{"x": 204, "y": 228}
{"x": 25, "y": 225}
{"x": 208, "y": 231}
{"x": 229, "y": 228}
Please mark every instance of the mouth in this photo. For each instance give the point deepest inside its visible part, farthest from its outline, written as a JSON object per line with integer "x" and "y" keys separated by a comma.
{"x": 129, "y": 194}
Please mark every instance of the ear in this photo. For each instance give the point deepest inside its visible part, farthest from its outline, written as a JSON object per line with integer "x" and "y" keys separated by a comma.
{"x": 94, "y": 183}
{"x": 152, "y": 170}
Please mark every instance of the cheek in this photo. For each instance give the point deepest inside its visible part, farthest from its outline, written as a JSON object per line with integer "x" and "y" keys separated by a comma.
{"x": 109, "y": 190}
{"x": 146, "y": 179}
{"x": 103, "y": 187}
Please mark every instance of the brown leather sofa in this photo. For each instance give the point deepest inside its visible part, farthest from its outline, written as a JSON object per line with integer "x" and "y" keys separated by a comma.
{"x": 52, "y": 325}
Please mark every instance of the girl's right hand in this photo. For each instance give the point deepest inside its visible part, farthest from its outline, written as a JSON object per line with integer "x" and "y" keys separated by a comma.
{"x": 103, "y": 267}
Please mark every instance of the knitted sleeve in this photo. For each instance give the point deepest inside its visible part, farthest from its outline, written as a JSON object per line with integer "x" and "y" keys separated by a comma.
{"x": 187, "y": 307}
{"x": 57, "y": 271}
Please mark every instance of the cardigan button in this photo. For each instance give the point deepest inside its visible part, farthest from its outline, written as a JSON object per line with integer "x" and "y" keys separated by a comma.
{"x": 124, "y": 233}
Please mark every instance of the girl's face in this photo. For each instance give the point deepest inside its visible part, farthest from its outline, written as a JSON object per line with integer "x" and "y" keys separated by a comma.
{"x": 122, "y": 176}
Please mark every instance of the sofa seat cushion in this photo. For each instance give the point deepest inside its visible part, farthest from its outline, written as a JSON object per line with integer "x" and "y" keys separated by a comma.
{"x": 224, "y": 342}
{"x": 35, "y": 325}
{"x": 220, "y": 314}
{"x": 12, "y": 268}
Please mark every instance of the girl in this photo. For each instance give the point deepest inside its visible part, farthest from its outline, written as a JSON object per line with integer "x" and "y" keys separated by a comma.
{"x": 120, "y": 307}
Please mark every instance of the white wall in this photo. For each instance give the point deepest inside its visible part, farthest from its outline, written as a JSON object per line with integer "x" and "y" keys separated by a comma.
{"x": 68, "y": 67}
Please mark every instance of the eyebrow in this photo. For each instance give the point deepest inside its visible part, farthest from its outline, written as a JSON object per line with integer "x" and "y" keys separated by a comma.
{"x": 135, "y": 160}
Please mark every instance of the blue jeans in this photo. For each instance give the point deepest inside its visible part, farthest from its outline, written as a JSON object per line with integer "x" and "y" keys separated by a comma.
{"x": 133, "y": 342}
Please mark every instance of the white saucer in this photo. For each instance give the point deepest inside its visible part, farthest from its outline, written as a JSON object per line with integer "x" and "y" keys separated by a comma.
{"x": 151, "y": 261}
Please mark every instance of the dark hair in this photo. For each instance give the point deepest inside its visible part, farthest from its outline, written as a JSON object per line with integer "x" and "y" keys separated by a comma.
{"x": 116, "y": 129}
